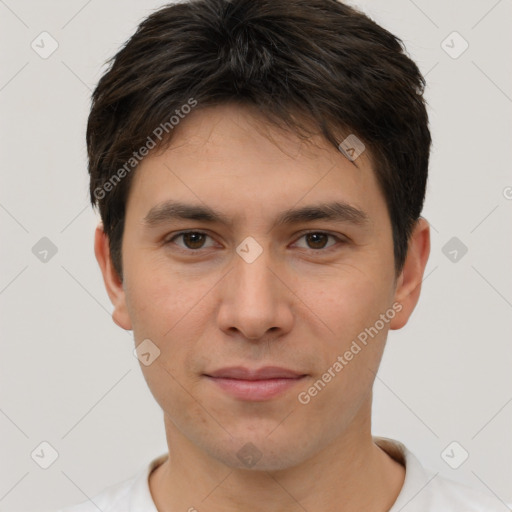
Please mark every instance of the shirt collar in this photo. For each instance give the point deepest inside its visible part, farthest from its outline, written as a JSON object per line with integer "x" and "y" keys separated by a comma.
{"x": 140, "y": 496}
{"x": 417, "y": 478}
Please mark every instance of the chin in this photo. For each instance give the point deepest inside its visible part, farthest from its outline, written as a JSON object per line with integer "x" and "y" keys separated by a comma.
{"x": 259, "y": 452}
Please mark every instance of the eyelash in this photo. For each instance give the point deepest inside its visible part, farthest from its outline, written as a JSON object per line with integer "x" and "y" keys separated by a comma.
{"x": 181, "y": 233}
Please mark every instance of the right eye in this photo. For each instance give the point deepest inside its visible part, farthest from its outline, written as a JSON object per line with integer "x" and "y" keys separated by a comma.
{"x": 193, "y": 240}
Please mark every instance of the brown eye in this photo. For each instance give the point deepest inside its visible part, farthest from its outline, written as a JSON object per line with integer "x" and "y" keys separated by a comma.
{"x": 317, "y": 240}
{"x": 192, "y": 240}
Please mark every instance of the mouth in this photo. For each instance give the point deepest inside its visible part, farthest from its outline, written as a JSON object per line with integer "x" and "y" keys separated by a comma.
{"x": 255, "y": 385}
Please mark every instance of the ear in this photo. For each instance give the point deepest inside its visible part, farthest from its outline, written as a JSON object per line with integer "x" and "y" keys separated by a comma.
{"x": 113, "y": 283}
{"x": 409, "y": 282}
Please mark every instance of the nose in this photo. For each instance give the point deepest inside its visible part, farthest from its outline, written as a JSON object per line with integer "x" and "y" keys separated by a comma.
{"x": 256, "y": 300}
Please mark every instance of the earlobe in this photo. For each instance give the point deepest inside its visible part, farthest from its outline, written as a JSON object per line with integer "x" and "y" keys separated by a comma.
{"x": 409, "y": 282}
{"x": 113, "y": 283}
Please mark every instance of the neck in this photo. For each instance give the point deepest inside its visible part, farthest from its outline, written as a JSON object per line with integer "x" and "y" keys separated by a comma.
{"x": 349, "y": 475}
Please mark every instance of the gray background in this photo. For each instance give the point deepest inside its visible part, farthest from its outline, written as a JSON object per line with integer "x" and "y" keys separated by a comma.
{"x": 68, "y": 375}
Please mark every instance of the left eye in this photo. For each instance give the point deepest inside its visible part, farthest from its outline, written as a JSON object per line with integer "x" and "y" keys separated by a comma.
{"x": 319, "y": 239}
{"x": 194, "y": 240}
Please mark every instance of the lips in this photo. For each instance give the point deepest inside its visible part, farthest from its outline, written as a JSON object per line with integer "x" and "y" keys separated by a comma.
{"x": 255, "y": 384}
{"x": 265, "y": 373}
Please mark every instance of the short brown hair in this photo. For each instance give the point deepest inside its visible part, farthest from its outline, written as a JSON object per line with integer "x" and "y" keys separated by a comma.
{"x": 326, "y": 60}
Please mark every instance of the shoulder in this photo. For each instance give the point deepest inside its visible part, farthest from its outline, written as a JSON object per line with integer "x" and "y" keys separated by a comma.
{"x": 427, "y": 491}
{"x": 449, "y": 495}
{"x": 458, "y": 497}
{"x": 114, "y": 498}
{"x": 129, "y": 495}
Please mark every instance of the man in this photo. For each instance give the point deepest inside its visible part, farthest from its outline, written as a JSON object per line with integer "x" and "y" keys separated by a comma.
{"x": 260, "y": 169}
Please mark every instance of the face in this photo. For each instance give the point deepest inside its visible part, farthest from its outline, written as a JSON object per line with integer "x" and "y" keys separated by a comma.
{"x": 247, "y": 291}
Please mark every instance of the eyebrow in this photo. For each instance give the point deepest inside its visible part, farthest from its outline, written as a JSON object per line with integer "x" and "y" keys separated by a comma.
{"x": 337, "y": 211}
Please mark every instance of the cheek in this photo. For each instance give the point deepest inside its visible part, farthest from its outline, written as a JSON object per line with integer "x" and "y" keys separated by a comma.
{"x": 159, "y": 301}
{"x": 170, "y": 310}
{"x": 167, "y": 312}
{"x": 349, "y": 356}
{"x": 345, "y": 303}
{"x": 352, "y": 336}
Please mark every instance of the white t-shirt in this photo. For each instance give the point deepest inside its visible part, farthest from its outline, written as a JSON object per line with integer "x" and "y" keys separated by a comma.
{"x": 423, "y": 490}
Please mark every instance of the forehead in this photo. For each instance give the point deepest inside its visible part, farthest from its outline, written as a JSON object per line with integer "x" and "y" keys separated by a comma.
{"x": 229, "y": 157}
{"x": 227, "y": 124}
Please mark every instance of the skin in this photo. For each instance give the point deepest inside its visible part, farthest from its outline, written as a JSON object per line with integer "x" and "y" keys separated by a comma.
{"x": 299, "y": 305}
